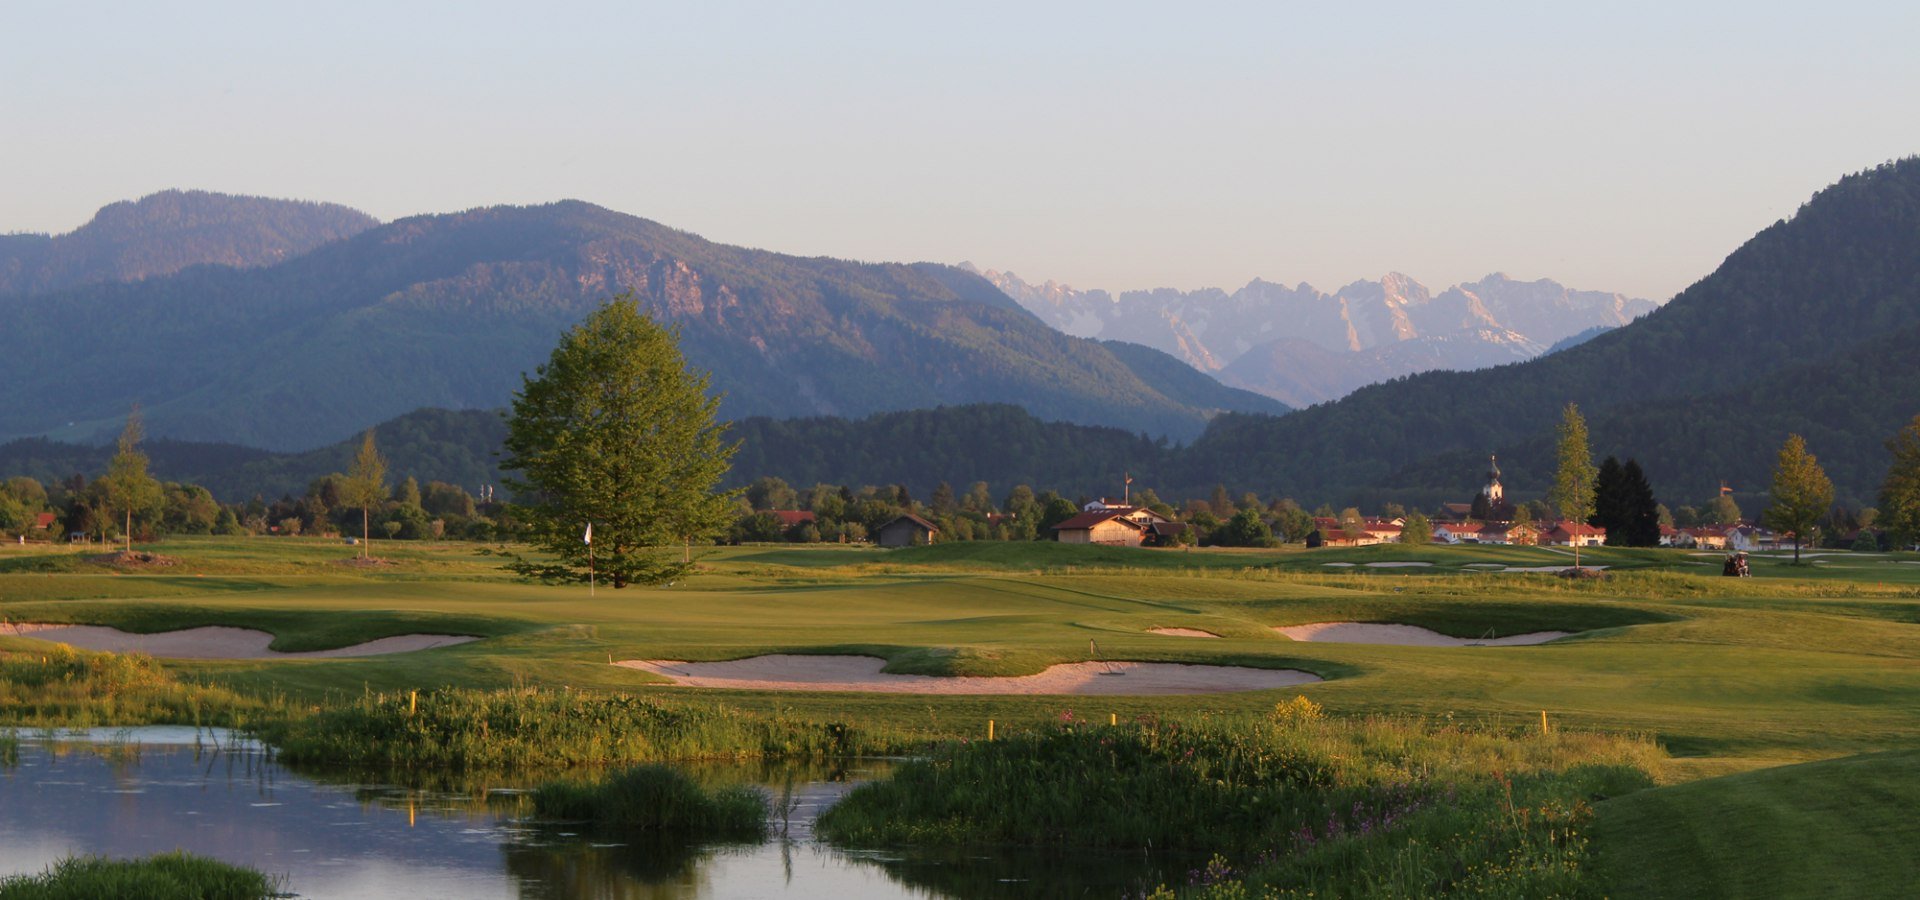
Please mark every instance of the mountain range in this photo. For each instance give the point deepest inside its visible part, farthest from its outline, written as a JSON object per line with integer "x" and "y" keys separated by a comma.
{"x": 1303, "y": 346}
{"x": 1806, "y": 328}
{"x": 449, "y": 311}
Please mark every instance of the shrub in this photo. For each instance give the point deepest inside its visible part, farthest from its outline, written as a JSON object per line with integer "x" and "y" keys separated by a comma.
{"x": 659, "y": 800}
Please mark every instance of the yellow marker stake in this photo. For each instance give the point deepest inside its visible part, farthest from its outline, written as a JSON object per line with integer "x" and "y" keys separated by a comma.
{"x": 989, "y": 729}
{"x": 1113, "y": 718}
{"x": 413, "y": 702}
{"x": 1543, "y": 721}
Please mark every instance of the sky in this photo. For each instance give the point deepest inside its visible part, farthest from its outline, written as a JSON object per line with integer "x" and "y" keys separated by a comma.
{"x": 1610, "y": 146}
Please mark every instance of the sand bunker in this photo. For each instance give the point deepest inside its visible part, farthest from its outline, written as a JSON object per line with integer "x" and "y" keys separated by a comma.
{"x": 1341, "y": 565}
{"x": 1183, "y": 632}
{"x": 786, "y": 672}
{"x": 216, "y": 642}
{"x": 1549, "y": 569}
{"x": 1404, "y": 635}
{"x": 1398, "y": 565}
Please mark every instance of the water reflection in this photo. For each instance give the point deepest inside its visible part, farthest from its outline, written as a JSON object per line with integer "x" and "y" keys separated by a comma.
{"x": 336, "y": 835}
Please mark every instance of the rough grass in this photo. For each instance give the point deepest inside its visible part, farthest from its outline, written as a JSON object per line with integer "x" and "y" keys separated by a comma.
{"x": 1841, "y": 827}
{"x": 657, "y": 800}
{"x": 1288, "y": 803}
{"x": 166, "y": 876}
{"x": 462, "y": 730}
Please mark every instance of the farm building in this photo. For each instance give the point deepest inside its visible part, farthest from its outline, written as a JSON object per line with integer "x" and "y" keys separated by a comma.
{"x": 906, "y": 531}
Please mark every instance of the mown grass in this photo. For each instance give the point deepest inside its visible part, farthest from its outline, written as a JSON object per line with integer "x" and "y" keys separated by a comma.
{"x": 1287, "y": 803}
{"x": 1841, "y": 827}
{"x": 463, "y": 730}
{"x": 656, "y": 800}
{"x": 62, "y": 686}
{"x": 166, "y": 876}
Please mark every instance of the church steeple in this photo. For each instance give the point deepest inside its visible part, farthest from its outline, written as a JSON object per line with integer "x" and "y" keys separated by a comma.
{"x": 1493, "y": 490}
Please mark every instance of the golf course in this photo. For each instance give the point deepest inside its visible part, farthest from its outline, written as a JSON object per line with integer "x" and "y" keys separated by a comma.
{"x": 1774, "y": 718}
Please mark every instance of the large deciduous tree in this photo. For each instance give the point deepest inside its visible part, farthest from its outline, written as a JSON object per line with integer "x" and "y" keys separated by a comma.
{"x": 366, "y": 487}
{"x": 1572, "y": 491}
{"x": 129, "y": 489}
{"x": 1801, "y": 493}
{"x": 616, "y": 432}
{"x": 1900, "y": 493}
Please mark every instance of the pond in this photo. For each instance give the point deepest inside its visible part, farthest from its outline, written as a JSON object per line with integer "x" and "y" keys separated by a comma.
{"x": 125, "y": 794}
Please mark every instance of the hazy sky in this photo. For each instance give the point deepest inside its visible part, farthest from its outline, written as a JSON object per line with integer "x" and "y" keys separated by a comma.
{"x": 1616, "y": 146}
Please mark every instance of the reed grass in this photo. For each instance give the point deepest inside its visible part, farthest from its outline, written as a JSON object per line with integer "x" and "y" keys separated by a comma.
{"x": 657, "y": 800}
{"x": 463, "y": 730}
{"x": 166, "y": 876}
{"x": 67, "y": 687}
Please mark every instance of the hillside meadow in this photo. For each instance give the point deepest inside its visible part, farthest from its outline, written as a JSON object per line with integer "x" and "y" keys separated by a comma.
{"x": 1722, "y": 676}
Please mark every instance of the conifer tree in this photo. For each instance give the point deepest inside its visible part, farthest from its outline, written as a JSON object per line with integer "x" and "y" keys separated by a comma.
{"x": 1641, "y": 510}
{"x": 1801, "y": 493}
{"x": 616, "y": 433}
{"x": 129, "y": 489}
{"x": 365, "y": 487}
{"x": 1572, "y": 492}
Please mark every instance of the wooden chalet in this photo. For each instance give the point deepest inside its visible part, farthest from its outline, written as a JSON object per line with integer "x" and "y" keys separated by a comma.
{"x": 908, "y": 530}
{"x": 1117, "y": 526}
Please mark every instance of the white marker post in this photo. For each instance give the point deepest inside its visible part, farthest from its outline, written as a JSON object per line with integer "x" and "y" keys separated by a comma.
{"x": 588, "y": 540}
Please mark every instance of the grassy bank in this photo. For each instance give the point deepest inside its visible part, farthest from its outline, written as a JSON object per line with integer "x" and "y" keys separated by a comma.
{"x": 459, "y": 730}
{"x": 167, "y": 876}
{"x": 659, "y": 801}
{"x": 1290, "y": 802}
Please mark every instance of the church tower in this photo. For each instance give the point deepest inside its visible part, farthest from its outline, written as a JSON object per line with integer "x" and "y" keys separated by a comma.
{"x": 1493, "y": 490}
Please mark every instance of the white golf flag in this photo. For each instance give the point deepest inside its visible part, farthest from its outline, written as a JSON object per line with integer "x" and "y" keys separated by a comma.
{"x": 588, "y": 537}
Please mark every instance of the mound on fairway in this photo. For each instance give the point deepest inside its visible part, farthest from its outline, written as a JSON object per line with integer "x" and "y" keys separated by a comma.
{"x": 1835, "y": 828}
{"x": 216, "y": 642}
{"x": 1404, "y": 635}
{"x": 790, "y": 672}
{"x": 1182, "y": 632}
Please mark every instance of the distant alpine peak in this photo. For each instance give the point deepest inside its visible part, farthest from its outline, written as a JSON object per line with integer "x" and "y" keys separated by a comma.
{"x": 1495, "y": 320}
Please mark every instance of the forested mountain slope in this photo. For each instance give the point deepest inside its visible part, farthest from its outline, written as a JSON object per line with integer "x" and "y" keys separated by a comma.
{"x": 1800, "y": 329}
{"x": 449, "y": 310}
{"x": 162, "y": 233}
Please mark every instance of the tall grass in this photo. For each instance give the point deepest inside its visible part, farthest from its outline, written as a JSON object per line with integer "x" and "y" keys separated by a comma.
{"x": 1287, "y": 803}
{"x": 64, "y": 686}
{"x": 458, "y": 730}
{"x": 657, "y": 800}
{"x": 166, "y": 876}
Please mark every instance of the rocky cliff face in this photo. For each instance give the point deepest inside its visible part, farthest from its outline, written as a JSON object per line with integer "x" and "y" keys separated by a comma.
{"x": 1266, "y": 336}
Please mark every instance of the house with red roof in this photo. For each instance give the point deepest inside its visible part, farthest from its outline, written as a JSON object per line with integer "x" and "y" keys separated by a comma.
{"x": 1574, "y": 534}
{"x": 1516, "y": 533}
{"x": 45, "y": 521}
{"x": 791, "y": 517}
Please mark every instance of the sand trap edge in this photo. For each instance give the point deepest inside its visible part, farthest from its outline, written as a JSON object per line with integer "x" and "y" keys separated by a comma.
{"x": 1389, "y": 634}
{"x": 216, "y": 642}
{"x": 862, "y": 674}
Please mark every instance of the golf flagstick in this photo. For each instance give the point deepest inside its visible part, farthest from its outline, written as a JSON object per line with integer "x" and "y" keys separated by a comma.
{"x": 588, "y": 540}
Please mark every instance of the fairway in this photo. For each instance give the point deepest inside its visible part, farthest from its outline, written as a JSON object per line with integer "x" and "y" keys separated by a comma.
{"x": 1728, "y": 675}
